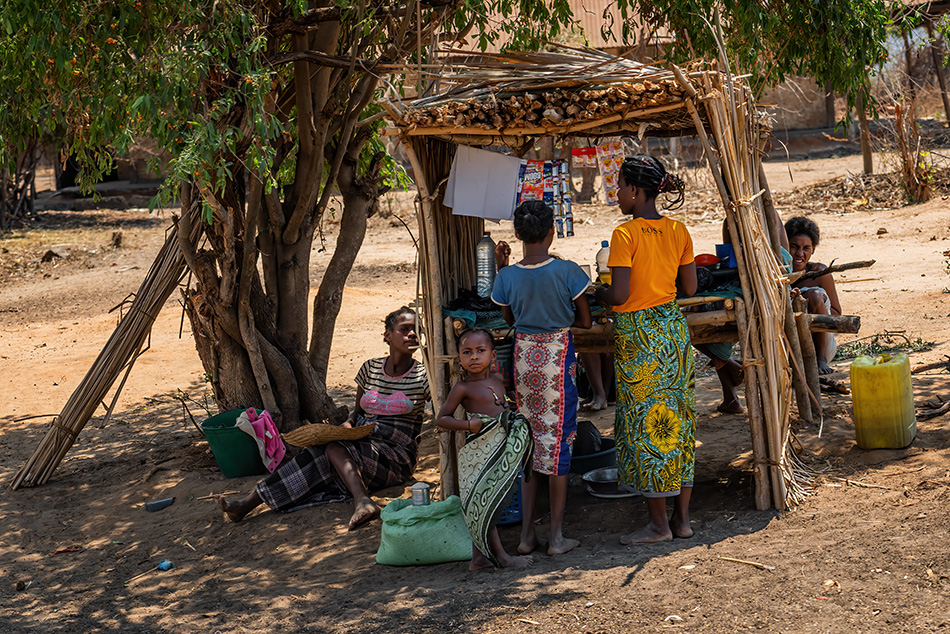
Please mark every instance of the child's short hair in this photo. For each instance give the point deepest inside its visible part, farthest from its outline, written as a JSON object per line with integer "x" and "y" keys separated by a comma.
{"x": 394, "y": 316}
{"x": 533, "y": 221}
{"x": 478, "y": 331}
{"x": 802, "y": 226}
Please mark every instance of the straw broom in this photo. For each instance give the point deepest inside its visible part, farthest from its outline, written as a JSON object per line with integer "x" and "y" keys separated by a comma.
{"x": 119, "y": 354}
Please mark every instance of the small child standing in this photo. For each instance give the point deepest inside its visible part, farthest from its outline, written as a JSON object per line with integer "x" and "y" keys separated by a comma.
{"x": 498, "y": 445}
{"x": 543, "y": 297}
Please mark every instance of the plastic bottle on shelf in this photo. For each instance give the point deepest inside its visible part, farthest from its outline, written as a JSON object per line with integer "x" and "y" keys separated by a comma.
{"x": 603, "y": 271}
{"x": 486, "y": 266}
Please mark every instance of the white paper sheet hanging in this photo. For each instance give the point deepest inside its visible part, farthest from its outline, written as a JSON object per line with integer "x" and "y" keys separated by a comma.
{"x": 483, "y": 184}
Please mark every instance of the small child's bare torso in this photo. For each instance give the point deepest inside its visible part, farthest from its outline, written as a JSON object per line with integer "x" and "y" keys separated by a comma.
{"x": 484, "y": 396}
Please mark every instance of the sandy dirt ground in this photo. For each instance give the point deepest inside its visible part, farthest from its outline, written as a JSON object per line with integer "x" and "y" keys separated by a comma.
{"x": 865, "y": 553}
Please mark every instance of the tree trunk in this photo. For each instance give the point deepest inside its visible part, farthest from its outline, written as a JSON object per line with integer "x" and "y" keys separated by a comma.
{"x": 360, "y": 201}
{"x": 866, "y": 151}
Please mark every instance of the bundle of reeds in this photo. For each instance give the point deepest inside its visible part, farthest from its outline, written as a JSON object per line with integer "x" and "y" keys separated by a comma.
{"x": 732, "y": 148}
{"x": 116, "y": 358}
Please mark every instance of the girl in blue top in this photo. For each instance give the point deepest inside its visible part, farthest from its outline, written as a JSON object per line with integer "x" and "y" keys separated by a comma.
{"x": 543, "y": 297}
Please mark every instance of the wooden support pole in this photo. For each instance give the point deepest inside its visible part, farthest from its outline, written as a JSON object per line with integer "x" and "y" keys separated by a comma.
{"x": 809, "y": 357}
{"x": 448, "y": 451}
{"x": 799, "y": 378}
{"x": 760, "y": 456}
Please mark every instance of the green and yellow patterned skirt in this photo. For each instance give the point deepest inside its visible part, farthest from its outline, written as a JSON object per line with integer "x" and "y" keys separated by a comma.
{"x": 655, "y": 424}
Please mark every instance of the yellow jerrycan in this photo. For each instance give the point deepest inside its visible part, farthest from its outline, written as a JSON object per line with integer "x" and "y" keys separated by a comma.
{"x": 883, "y": 402}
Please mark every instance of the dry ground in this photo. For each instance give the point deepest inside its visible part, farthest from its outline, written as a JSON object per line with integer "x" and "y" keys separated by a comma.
{"x": 869, "y": 558}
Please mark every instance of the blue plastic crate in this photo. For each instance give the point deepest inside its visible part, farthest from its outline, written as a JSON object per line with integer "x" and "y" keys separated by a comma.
{"x": 513, "y": 512}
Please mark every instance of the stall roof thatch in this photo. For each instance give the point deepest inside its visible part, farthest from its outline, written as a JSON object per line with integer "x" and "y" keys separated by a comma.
{"x": 568, "y": 92}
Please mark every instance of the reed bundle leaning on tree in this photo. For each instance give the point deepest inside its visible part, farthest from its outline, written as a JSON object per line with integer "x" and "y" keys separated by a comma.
{"x": 118, "y": 355}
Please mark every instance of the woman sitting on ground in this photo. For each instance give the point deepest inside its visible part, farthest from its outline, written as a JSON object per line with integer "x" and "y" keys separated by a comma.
{"x": 820, "y": 292}
{"x": 392, "y": 392}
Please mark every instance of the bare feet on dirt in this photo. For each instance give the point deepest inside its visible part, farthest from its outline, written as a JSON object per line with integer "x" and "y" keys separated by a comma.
{"x": 479, "y": 561}
{"x": 529, "y": 543}
{"x": 562, "y": 545}
{"x": 680, "y": 528}
{"x": 364, "y": 511}
{"x": 732, "y": 407}
{"x": 518, "y": 561}
{"x": 649, "y": 534}
{"x": 823, "y": 367}
{"x": 595, "y": 405}
{"x": 232, "y": 510}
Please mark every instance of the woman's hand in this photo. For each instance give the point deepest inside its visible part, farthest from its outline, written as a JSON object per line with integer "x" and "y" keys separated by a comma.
{"x": 502, "y": 254}
{"x": 347, "y": 423}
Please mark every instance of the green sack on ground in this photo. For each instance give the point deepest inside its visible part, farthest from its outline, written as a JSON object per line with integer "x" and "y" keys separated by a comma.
{"x": 430, "y": 534}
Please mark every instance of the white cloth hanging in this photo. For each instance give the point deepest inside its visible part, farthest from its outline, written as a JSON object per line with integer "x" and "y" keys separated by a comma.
{"x": 483, "y": 184}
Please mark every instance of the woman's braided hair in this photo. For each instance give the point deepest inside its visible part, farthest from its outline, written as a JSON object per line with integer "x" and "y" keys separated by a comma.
{"x": 647, "y": 173}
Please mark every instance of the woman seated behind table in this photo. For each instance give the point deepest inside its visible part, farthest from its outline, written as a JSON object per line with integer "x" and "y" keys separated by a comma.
{"x": 820, "y": 292}
{"x": 392, "y": 392}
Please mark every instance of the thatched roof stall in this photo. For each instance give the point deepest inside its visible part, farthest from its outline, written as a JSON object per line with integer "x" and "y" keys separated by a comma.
{"x": 512, "y": 99}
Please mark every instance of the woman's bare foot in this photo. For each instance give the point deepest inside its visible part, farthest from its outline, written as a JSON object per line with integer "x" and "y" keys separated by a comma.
{"x": 561, "y": 545}
{"x": 364, "y": 510}
{"x": 529, "y": 543}
{"x": 680, "y": 528}
{"x": 479, "y": 561}
{"x": 234, "y": 511}
{"x": 823, "y": 367}
{"x": 519, "y": 561}
{"x": 649, "y": 534}
{"x": 732, "y": 407}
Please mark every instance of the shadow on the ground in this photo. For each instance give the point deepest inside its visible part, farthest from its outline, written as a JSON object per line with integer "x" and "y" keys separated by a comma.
{"x": 79, "y": 543}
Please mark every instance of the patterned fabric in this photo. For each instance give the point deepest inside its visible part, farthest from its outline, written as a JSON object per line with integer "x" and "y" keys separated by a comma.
{"x": 386, "y": 457}
{"x": 488, "y": 467}
{"x": 655, "y": 423}
{"x": 546, "y": 391}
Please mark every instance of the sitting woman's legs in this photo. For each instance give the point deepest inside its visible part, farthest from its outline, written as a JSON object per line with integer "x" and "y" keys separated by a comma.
{"x": 818, "y": 305}
{"x": 364, "y": 508}
{"x": 730, "y": 377}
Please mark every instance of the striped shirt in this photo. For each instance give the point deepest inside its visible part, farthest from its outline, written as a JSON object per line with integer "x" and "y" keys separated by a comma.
{"x": 396, "y": 404}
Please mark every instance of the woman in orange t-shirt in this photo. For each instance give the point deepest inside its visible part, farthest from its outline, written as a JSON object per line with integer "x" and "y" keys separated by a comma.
{"x": 650, "y": 256}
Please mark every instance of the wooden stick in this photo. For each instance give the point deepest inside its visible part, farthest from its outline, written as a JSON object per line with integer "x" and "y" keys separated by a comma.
{"x": 712, "y": 317}
{"x": 760, "y": 473}
{"x": 939, "y": 365}
{"x": 699, "y": 300}
{"x": 799, "y": 379}
{"x": 750, "y": 563}
{"x": 833, "y": 323}
{"x": 834, "y": 268}
{"x": 809, "y": 358}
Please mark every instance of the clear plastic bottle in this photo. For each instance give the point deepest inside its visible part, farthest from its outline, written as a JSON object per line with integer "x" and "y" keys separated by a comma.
{"x": 603, "y": 271}
{"x": 486, "y": 265}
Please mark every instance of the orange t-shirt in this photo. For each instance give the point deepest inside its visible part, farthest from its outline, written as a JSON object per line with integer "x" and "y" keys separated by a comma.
{"x": 653, "y": 250}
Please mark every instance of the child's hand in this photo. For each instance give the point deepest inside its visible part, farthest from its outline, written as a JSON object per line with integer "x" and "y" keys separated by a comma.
{"x": 474, "y": 425}
{"x": 502, "y": 254}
